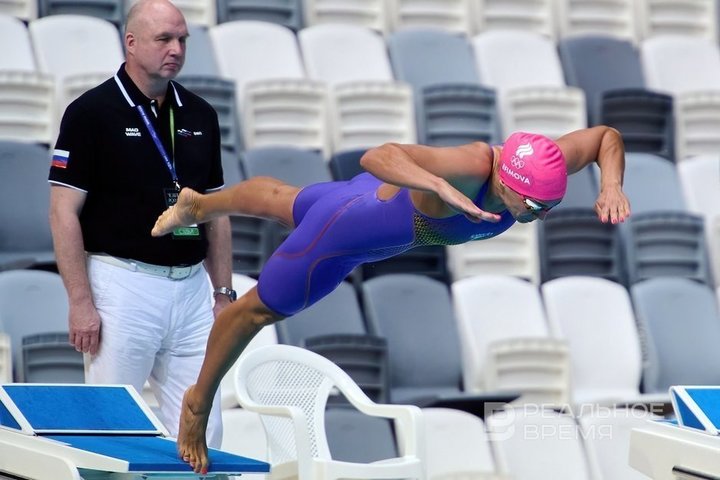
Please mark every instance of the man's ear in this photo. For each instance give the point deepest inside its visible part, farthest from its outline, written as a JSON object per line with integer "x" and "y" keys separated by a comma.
{"x": 129, "y": 42}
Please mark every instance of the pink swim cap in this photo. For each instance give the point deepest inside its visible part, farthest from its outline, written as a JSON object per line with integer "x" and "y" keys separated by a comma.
{"x": 533, "y": 166}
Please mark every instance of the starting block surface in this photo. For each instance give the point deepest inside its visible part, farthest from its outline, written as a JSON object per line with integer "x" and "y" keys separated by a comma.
{"x": 107, "y": 428}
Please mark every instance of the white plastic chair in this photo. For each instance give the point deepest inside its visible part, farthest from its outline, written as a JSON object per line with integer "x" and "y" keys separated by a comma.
{"x": 27, "y": 96}
{"x": 20, "y": 56}
{"x": 79, "y": 50}
{"x": 457, "y": 446}
{"x": 513, "y": 253}
{"x": 506, "y": 341}
{"x": 532, "y": 443}
{"x": 529, "y": 16}
{"x": 452, "y": 15}
{"x": 688, "y": 68}
{"x": 597, "y": 17}
{"x": 277, "y": 103}
{"x": 332, "y": 52}
{"x": 20, "y": 9}
{"x": 696, "y": 18}
{"x": 368, "y": 13}
{"x": 289, "y": 387}
{"x": 525, "y": 68}
{"x": 606, "y": 434}
{"x": 699, "y": 180}
{"x": 6, "y": 363}
{"x": 596, "y": 318}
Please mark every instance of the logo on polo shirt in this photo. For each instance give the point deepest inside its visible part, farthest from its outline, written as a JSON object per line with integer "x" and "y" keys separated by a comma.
{"x": 132, "y": 132}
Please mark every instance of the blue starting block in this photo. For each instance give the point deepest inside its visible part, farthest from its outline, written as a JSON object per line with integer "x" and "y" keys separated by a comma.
{"x": 687, "y": 447}
{"x": 73, "y": 432}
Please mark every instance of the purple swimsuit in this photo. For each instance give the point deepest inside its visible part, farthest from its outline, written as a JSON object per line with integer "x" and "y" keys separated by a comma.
{"x": 340, "y": 225}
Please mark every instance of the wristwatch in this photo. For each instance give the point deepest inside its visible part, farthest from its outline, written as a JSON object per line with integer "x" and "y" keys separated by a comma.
{"x": 228, "y": 292}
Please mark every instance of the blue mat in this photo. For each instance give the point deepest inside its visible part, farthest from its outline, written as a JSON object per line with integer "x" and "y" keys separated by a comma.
{"x": 79, "y": 408}
{"x": 155, "y": 454}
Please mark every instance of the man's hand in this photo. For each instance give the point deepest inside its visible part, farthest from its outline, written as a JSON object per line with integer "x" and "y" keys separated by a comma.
{"x": 612, "y": 205}
{"x": 84, "y": 323}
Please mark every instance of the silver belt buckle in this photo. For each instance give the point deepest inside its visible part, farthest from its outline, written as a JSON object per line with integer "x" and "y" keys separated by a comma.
{"x": 180, "y": 273}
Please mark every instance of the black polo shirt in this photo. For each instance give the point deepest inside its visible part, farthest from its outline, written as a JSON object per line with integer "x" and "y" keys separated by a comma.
{"x": 105, "y": 150}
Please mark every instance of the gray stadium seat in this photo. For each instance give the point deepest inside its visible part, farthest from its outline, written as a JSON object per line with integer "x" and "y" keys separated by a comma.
{"x": 25, "y": 239}
{"x": 574, "y": 241}
{"x": 355, "y": 437}
{"x": 451, "y": 106}
{"x": 110, "y": 10}
{"x": 666, "y": 243}
{"x": 292, "y": 165}
{"x": 415, "y": 315}
{"x": 608, "y": 69}
{"x": 680, "y": 320}
{"x": 651, "y": 183}
{"x": 345, "y": 165}
{"x": 33, "y": 303}
{"x": 283, "y": 12}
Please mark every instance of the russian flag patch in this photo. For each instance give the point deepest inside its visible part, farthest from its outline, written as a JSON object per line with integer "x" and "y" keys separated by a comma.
{"x": 60, "y": 158}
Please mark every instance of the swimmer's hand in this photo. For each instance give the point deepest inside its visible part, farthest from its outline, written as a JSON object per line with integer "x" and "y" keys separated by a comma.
{"x": 456, "y": 200}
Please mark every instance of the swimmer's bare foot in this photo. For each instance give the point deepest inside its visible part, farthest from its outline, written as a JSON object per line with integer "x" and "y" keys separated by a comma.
{"x": 191, "y": 435}
{"x": 183, "y": 213}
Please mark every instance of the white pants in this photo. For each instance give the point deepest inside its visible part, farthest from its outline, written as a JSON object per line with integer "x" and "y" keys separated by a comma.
{"x": 153, "y": 329}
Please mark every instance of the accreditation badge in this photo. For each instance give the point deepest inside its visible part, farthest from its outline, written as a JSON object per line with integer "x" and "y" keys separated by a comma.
{"x": 191, "y": 232}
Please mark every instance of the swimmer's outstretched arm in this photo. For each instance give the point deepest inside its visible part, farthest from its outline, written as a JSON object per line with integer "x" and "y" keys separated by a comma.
{"x": 443, "y": 171}
{"x": 264, "y": 197}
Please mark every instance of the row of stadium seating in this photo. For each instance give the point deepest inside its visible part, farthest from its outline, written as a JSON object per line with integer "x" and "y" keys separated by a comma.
{"x": 418, "y": 85}
{"x": 631, "y": 19}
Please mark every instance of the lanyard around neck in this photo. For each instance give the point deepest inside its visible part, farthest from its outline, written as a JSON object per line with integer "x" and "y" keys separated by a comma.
{"x": 163, "y": 153}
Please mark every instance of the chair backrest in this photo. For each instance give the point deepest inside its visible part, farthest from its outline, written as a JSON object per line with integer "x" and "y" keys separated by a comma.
{"x": 110, "y": 10}
{"x": 456, "y": 444}
{"x": 287, "y": 13}
{"x": 515, "y": 253}
{"x": 596, "y": 318}
{"x": 337, "y": 313}
{"x": 606, "y": 434}
{"x": 290, "y": 386}
{"x": 369, "y": 14}
{"x": 425, "y": 57}
{"x": 677, "y": 64}
{"x": 582, "y": 190}
{"x": 537, "y": 444}
{"x": 332, "y": 53}
{"x": 700, "y": 179}
{"x": 23, "y": 170}
{"x": 21, "y": 313}
{"x": 490, "y": 308}
{"x": 664, "y": 192}
{"x": 599, "y": 63}
{"x": 20, "y": 56}
{"x": 452, "y": 15}
{"x": 414, "y": 313}
{"x": 295, "y": 166}
{"x": 76, "y": 44}
{"x": 508, "y": 59}
{"x": 677, "y": 17}
{"x": 681, "y": 324}
{"x": 573, "y": 241}
{"x": 269, "y": 51}
{"x": 200, "y": 54}
{"x": 601, "y": 17}
{"x": 662, "y": 243}
{"x": 346, "y": 164}
{"x": 23, "y": 9}
{"x": 536, "y": 16}
{"x": 355, "y": 437}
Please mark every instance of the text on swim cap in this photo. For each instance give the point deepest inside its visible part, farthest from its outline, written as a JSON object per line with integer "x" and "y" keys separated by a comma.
{"x": 515, "y": 175}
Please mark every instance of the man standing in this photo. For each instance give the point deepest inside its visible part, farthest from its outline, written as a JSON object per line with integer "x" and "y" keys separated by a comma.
{"x": 140, "y": 307}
